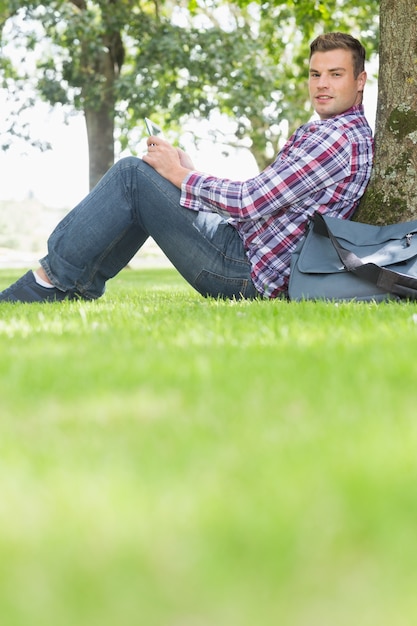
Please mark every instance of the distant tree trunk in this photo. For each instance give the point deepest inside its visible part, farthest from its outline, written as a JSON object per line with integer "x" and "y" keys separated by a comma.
{"x": 99, "y": 119}
{"x": 100, "y": 137}
{"x": 101, "y": 65}
{"x": 392, "y": 192}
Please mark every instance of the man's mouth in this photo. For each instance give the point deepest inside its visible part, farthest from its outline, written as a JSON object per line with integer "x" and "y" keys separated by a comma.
{"x": 322, "y": 97}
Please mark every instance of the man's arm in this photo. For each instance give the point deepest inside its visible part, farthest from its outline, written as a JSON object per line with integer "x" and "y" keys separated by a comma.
{"x": 314, "y": 169}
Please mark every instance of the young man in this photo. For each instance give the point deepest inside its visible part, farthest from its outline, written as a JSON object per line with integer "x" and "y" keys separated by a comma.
{"x": 228, "y": 239}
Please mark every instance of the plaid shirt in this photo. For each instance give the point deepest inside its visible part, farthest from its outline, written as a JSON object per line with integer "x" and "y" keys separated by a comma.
{"x": 325, "y": 166}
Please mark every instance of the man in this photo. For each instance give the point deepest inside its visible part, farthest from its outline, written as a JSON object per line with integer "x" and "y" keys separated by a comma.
{"x": 228, "y": 239}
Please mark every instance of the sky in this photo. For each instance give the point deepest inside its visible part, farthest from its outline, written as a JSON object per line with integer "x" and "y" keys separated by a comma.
{"x": 58, "y": 177}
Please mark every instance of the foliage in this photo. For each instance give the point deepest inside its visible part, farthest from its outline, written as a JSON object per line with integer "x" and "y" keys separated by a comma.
{"x": 167, "y": 459}
{"x": 183, "y": 60}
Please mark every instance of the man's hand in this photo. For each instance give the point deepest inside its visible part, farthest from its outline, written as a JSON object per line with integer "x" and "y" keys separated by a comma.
{"x": 172, "y": 163}
{"x": 185, "y": 160}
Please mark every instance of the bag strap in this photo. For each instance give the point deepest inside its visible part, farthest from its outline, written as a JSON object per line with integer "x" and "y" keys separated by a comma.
{"x": 398, "y": 284}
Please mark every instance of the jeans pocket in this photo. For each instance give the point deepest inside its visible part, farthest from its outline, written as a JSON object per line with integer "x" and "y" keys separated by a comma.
{"x": 214, "y": 285}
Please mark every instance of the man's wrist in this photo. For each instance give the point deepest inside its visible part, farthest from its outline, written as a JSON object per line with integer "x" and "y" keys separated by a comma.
{"x": 179, "y": 175}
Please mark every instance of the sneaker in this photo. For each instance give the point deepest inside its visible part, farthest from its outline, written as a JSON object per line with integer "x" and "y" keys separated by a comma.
{"x": 26, "y": 289}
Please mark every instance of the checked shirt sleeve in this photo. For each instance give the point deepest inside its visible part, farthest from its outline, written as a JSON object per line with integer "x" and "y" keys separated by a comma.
{"x": 315, "y": 158}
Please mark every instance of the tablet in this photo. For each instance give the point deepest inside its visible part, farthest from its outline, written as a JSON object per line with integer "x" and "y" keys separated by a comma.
{"x": 152, "y": 128}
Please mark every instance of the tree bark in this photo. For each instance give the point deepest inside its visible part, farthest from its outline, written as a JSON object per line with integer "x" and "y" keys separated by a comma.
{"x": 100, "y": 138}
{"x": 391, "y": 195}
{"x": 103, "y": 62}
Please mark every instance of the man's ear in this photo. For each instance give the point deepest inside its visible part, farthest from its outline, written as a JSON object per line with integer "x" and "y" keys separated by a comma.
{"x": 362, "y": 80}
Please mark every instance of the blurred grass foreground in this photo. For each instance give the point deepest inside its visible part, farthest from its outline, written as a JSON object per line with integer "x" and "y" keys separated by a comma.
{"x": 167, "y": 460}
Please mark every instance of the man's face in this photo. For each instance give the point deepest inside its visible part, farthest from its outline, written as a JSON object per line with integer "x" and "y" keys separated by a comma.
{"x": 332, "y": 86}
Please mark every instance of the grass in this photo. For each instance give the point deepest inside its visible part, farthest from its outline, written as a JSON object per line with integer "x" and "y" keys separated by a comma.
{"x": 167, "y": 460}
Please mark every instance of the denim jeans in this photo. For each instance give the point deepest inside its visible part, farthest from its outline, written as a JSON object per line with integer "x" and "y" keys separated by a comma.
{"x": 132, "y": 202}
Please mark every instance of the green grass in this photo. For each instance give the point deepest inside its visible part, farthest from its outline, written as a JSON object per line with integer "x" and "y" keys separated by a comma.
{"x": 167, "y": 460}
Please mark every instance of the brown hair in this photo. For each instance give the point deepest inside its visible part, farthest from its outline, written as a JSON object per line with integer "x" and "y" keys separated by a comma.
{"x": 333, "y": 41}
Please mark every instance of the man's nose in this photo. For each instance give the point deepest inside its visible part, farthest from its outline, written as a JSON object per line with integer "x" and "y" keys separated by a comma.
{"x": 323, "y": 82}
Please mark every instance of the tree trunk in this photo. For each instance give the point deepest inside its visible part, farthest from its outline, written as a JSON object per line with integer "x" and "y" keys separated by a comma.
{"x": 99, "y": 112}
{"x": 100, "y": 66}
{"x": 391, "y": 195}
{"x": 100, "y": 136}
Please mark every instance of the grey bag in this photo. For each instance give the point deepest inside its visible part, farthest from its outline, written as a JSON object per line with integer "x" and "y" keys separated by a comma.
{"x": 343, "y": 260}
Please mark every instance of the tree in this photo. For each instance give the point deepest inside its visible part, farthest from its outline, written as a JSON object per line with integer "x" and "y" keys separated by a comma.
{"x": 117, "y": 61}
{"x": 391, "y": 195}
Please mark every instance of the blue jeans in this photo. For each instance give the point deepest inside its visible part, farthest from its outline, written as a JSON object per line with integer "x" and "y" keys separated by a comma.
{"x": 131, "y": 203}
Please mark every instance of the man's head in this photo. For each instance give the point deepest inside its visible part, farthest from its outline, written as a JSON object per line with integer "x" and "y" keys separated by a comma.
{"x": 337, "y": 73}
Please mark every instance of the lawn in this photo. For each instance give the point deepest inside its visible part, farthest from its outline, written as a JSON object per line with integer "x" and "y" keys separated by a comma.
{"x": 167, "y": 460}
